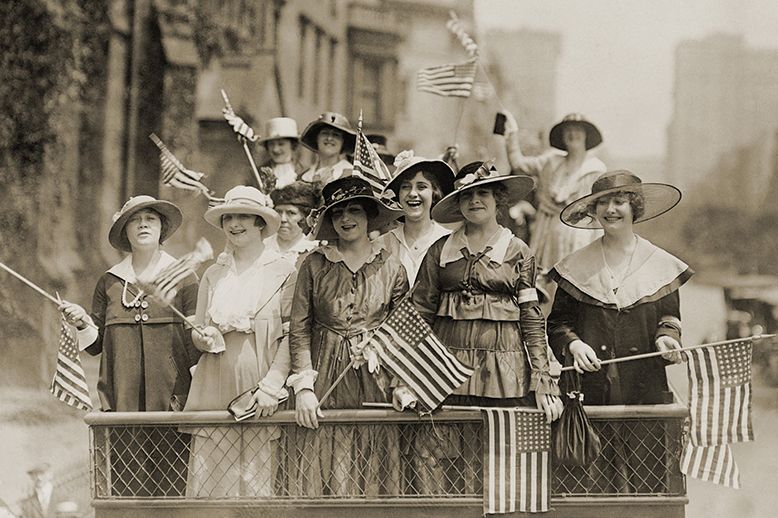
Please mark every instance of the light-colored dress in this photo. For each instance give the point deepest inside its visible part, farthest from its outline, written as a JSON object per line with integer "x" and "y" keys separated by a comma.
{"x": 411, "y": 256}
{"x": 325, "y": 175}
{"x": 550, "y": 239}
{"x": 249, "y": 308}
{"x": 295, "y": 252}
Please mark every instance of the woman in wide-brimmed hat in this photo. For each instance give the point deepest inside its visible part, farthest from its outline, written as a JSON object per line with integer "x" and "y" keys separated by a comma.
{"x": 331, "y": 137}
{"x": 563, "y": 176}
{"x": 280, "y": 139}
{"x": 345, "y": 290}
{"x": 136, "y": 335}
{"x": 294, "y": 204}
{"x": 418, "y": 184}
{"x": 243, "y": 301}
{"x": 618, "y": 296}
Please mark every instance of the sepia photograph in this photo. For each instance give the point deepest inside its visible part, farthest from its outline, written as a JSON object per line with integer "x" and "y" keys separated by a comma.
{"x": 371, "y": 258}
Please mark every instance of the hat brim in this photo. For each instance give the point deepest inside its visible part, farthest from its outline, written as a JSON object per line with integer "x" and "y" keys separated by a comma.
{"x": 325, "y": 231}
{"x": 296, "y": 138}
{"x": 118, "y": 238}
{"x": 442, "y": 172}
{"x": 447, "y": 209}
{"x": 659, "y": 198}
{"x": 556, "y": 136}
{"x": 269, "y": 216}
{"x": 310, "y": 134}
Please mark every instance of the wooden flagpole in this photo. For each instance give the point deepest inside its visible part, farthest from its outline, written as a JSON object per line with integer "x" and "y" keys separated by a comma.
{"x": 245, "y": 146}
{"x": 335, "y": 383}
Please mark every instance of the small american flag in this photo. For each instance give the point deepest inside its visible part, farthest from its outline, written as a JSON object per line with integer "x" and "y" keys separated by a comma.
{"x": 175, "y": 174}
{"x": 720, "y": 394}
{"x": 164, "y": 286}
{"x": 408, "y": 348}
{"x": 516, "y": 461}
{"x": 69, "y": 383}
{"x": 711, "y": 463}
{"x": 452, "y": 80}
{"x": 368, "y": 165}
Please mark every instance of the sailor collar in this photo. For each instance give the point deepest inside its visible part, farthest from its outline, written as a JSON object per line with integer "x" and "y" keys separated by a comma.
{"x": 457, "y": 240}
{"x": 123, "y": 269}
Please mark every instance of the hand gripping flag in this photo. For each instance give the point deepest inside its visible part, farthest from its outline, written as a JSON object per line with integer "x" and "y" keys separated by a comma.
{"x": 516, "y": 461}
{"x": 69, "y": 383}
{"x": 407, "y": 347}
{"x": 369, "y": 166}
{"x": 164, "y": 286}
{"x": 175, "y": 174}
{"x": 720, "y": 409}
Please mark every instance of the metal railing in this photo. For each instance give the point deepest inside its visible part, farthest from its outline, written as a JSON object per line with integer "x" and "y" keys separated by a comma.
{"x": 370, "y": 455}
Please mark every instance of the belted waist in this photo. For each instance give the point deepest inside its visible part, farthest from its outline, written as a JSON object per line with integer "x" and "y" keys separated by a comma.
{"x": 346, "y": 334}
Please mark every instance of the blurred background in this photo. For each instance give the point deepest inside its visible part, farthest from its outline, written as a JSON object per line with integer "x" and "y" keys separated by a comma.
{"x": 683, "y": 92}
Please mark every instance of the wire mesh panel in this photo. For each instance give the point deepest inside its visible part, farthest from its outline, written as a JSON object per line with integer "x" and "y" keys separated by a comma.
{"x": 352, "y": 457}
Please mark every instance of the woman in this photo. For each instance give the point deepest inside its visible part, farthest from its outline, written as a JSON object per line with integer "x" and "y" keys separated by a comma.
{"x": 562, "y": 178}
{"x": 242, "y": 302}
{"x": 294, "y": 204}
{"x": 476, "y": 287}
{"x": 345, "y": 289}
{"x": 147, "y": 351}
{"x": 330, "y": 137}
{"x": 280, "y": 139}
{"x": 618, "y": 297}
{"x": 418, "y": 184}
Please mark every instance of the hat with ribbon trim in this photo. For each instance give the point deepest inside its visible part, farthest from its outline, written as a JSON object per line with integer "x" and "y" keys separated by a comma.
{"x": 168, "y": 211}
{"x": 246, "y": 200}
{"x": 556, "y": 136}
{"x": 330, "y": 120}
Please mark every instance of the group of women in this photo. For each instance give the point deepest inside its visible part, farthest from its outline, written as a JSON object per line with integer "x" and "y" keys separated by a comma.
{"x": 303, "y": 282}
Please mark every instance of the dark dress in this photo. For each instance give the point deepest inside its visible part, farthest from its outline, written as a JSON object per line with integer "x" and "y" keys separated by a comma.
{"x": 620, "y": 321}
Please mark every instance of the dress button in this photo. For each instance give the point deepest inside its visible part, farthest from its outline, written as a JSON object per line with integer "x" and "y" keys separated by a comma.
{"x": 137, "y": 318}
{"x": 144, "y": 304}
{"x": 633, "y": 349}
{"x": 137, "y": 304}
{"x": 603, "y": 347}
{"x": 144, "y": 317}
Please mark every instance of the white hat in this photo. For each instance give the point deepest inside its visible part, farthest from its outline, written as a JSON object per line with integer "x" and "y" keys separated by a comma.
{"x": 246, "y": 200}
{"x": 278, "y": 128}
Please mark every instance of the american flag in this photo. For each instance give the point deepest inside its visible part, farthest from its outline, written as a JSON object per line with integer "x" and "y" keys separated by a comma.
{"x": 516, "y": 461}
{"x": 711, "y": 463}
{"x": 368, "y": 165}
{"x": 69, "y": 383}
{"x": 164, "y": 286}
{"x": 175, "y": 174}
{"x": 409, "y": 349}
{"x": 452, "y": 80}
{"x": 239, "y": 126}
{"x": 720, "y": 394}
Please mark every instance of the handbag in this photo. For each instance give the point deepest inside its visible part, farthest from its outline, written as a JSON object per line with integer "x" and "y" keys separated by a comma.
{"x": 237, "y": 407}
{"x": 574, "y": 442}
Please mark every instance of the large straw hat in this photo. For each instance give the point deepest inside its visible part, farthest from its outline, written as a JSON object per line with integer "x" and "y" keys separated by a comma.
{"x": 593, "y": 135}
{"x": 278, "y": 128}
{"x": 408, "y": 165}
{"x": 245, "y": 200}
{"x": 331, "y": 120}
{"x": 171, "y": 213}
{"x": 346, "y": 189}
{"x": 659, "y": 198}
{"x": 477, "y": 174}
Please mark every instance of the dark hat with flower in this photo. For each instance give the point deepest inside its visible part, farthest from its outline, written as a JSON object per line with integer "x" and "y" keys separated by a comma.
{"x": 478, "y": 174}
{"x": 556, "y": 136}
{"x": 330, "y": 120}
{"x": 658, "y": 198}
{"x": 346, "y": 189}
{"x": 301, "y": 194}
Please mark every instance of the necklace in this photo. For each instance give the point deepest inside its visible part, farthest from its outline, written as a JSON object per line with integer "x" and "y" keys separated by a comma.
{"x": 616, "y": 281}
{"x": 133, "y": 302}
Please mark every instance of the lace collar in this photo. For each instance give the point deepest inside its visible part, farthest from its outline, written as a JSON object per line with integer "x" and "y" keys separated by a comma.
{"x": 458, "y": 239}
{"x": 332, "y": 254}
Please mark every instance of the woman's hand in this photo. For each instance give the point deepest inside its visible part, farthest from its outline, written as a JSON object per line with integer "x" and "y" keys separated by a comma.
{"x": 266, "y": 404}
{"x": 74, "y": 314}
{"x": 209, "y": 340}
{"x": 584, "y": 357}
{"x": 552, "y": 406}
{"x": 307, "y": 408}
{"x": 669, "y": 346}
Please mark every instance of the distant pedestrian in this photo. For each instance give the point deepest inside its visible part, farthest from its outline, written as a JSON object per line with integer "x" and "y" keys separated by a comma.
{"x": 280, "y": 140}
{"x": 331, "y": 137}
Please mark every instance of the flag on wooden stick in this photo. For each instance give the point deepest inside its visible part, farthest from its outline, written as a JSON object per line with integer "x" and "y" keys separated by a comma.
{"x": 175, "y": 174}
{"x": 69, "y": 383}
{"x": 452, "y": 80}
{"x": 516, "y": 461}
{"x": 368, "y": 165}
{"x": 164, "y": 286}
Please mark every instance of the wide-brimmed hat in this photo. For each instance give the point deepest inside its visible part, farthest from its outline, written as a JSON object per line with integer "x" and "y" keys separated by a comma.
{"x": 331, "y": 120}
{"x": 349, "y": 188}
{"x": 658, "y": 198}
{"x": 593, "y": 135}
{"x": 168, "y": 211}
{"x": 301, "y": 194}
{"x": 278, "y": 128}
{"x": 245, "y": 200}
{"x": 477, "y": 174}
{"x": 379, "y": 144}
{"x": 408, "y": 165}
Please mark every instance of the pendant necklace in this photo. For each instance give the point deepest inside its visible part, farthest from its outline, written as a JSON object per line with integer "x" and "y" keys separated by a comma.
{"x": 615, "y": 281}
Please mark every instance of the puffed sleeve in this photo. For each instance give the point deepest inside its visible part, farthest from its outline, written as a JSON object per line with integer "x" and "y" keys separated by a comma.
{"x": 533, "y": 328}
{"x": 669, "y": 316}
{"x": 99, "y": 305}
{"x": 301, "y": 328}
{"x": 426, "y": 290}
{"x": 561, "y": 323}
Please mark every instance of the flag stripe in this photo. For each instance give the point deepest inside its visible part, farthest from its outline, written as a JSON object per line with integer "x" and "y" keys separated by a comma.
{"x": 69, "y": 381}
